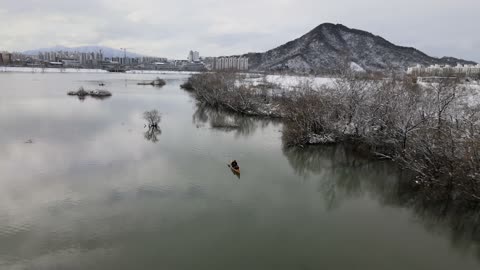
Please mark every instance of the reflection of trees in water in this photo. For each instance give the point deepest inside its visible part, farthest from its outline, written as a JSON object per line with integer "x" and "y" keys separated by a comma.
{"x": 153, "y": 118}
{"x": 227, "y": 121}
{"x": 152, "y": 134}
{"x": 337, "y": 169}
{"x": 461, "y": 220}
{"x": 343, "y": 175}
{"x": 82, "y": 98}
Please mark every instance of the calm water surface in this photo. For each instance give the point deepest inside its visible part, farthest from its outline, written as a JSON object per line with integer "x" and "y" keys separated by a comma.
{"x": 95, "y": 189}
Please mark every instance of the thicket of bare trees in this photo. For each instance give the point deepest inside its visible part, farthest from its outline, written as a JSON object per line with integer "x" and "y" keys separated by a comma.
{"x": 429, "y": 129}
{"x": 227, "y": 90}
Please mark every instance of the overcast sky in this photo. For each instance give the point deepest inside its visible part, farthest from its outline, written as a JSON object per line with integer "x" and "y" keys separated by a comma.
{"x": 224, "y": 27}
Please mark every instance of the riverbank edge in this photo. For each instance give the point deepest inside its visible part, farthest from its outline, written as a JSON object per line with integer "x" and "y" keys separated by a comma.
{"x": 380, "y": 150}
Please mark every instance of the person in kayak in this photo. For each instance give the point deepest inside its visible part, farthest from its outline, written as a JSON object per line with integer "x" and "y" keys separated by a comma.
{"x": 234, "y": 165}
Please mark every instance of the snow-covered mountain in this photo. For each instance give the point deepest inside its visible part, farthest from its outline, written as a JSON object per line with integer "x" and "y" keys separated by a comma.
{"x": 107, "y": 51}
{"x": 331, "y": 46}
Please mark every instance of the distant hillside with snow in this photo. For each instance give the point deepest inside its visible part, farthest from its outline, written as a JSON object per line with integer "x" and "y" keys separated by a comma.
{"x": 331, "y": 46}
{"x": 107, "y": 51}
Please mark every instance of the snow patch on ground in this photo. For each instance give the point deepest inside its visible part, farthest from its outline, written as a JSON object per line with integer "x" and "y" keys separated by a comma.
{"x": 161, "y": 72}
{"x": 469, "y": 94}
{"x": 291, "y": 82}
{"x": 321, "y": 139}
{"x": 356, "y": 67}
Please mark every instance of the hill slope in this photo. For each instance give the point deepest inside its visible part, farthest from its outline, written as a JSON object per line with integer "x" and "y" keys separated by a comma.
{"x": 330, "y": 46}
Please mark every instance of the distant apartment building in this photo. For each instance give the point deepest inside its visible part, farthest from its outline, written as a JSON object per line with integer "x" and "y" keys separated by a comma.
{"x": 71, "y": 63}
{"x": 99, "y": 56}
{"x": 151, "y": 60}
{"x": 230, "y": 63}
{"x": 193, "y": 56}
{"x": 47, "y": 56}
{"x": 442, "y": 70}
{"x": 83, "y": 58}
{"x": 6, "y": 58}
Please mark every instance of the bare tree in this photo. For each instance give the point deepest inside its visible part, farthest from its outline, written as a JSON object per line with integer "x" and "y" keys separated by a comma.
{"x": 153, "y": 118}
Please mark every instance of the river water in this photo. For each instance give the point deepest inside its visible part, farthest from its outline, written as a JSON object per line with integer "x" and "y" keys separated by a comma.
{"x": 85, "y": 185}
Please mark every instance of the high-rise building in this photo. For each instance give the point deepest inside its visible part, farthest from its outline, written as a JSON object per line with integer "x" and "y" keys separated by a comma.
{"x": 230, "y": 63}
{"x": 444, "y": 70}
{"x": 98, "y": 56}
{"x": 83, "y": 58}
{"x": 6, "y": 58}
{"x": 193, "y": 56}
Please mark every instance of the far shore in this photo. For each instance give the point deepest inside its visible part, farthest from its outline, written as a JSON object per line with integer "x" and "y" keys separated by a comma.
{"x": 83, "y": 70}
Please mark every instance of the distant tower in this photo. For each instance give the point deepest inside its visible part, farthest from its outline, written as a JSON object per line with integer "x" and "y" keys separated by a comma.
{"x": 193, "y": 56}
{"x": 190, "y": 56}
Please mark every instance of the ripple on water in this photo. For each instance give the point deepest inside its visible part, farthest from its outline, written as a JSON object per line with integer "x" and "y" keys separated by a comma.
{"x": 146, "y": 191}
{"x": 11, "y": 230}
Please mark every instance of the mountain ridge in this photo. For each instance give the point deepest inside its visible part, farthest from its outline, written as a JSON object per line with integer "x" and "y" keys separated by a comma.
{"x": 328, "y": 46}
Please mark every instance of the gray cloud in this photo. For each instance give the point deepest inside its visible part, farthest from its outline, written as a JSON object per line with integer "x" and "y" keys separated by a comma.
{"x": 171, "y": 28}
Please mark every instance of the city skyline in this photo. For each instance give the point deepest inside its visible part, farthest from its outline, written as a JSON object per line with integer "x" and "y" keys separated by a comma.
{"x": 58, "y": 58}
{"x": 216, "y": 28}
{"x": 193, "y": 55}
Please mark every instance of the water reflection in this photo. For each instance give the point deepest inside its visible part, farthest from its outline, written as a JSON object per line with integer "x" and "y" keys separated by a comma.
{"x": 227, "y": 121}
{"x": 105, "y": 199}
{"x": 152, "y": 134}
{"x": 83, "y": 98}
{"x": 343, "y": 176}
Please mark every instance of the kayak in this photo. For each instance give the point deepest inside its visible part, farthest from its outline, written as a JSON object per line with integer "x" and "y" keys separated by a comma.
{"x": 235, "y": 170}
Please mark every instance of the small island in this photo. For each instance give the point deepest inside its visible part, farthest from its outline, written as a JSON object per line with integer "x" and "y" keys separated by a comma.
{"x": 82, "y": 93}
{"x": 157, "y": 82}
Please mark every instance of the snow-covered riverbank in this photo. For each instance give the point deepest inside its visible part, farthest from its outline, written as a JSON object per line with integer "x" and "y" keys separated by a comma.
{"x": 289, "y": 82}
{"x": 430, "y": 129}
{"x": 161, "y": 72}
